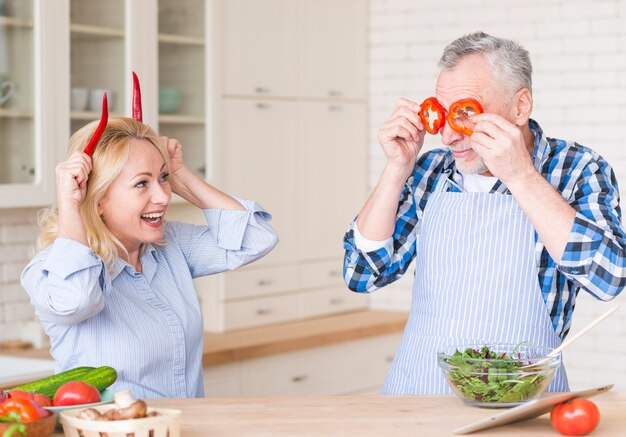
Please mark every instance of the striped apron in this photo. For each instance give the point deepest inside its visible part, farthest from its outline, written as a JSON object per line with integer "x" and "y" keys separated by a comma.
{"x": 475, "y": 283}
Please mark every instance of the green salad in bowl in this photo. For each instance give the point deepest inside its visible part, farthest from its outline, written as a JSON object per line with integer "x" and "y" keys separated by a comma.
{"x": 500, "y": 375}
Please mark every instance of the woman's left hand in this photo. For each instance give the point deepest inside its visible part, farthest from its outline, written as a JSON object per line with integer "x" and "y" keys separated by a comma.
{"x": 175, "y": 152}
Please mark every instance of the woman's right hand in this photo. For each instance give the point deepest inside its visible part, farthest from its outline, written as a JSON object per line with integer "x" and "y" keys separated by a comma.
{"x": 402, "y": 135}
{"x": 72, "y": 175}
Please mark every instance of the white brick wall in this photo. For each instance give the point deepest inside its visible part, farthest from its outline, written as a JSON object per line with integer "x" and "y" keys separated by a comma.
{"x": 578, "y": 49}
{"x": 18, "y": 232}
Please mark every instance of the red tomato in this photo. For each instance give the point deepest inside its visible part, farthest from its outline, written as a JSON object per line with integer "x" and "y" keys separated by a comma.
{"x": 75, "y": 393}
{"x": 576, "y": 417}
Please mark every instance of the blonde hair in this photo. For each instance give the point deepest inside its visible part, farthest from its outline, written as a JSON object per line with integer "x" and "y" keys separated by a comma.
{"x": 109, "y": 158}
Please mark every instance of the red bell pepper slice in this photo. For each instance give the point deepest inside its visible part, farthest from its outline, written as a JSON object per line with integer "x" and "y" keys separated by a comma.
{"x": 91, "y": 146}
{"x": 429, "y": 107}
{"x": 27, "y": 409}
{"x": 136, "y": 110}
{"x": 460, "y": 113}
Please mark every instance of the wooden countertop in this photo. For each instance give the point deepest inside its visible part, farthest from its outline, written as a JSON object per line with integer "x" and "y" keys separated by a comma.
{"x": 287, "y": 337}
{"x": 363, "y": 416}
{"x": 221, "y": 348}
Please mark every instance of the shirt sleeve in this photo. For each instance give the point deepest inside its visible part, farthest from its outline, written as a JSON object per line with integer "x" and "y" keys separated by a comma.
{"x": 594, "y": 256}
{"x": 230, "y": 239}
{"x": 366, "y": 245}
{"x": 366, "y": 271}
{"x": 65, "y": 282}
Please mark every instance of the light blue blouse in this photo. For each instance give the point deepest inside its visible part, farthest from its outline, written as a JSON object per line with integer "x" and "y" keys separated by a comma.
{"x": 147, "y": 325}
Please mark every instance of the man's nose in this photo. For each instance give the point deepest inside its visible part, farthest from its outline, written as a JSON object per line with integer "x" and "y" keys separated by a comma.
{"x": 449, "y": 135}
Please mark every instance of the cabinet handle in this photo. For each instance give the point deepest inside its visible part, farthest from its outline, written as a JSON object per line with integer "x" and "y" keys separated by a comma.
{"x": 334, "y": 93}
{"x": 335, "y": 108}
{"x": 389, "y": 358}
{"x": 264, "y": 282}
{"x": 263, "y": 106}
{"x": 261, "y": 90}
{"x": 299, "y": 378}
{"x": 335, "y": 301}
{"x": 334, "y": 273}
{"x": 264, "y": 311}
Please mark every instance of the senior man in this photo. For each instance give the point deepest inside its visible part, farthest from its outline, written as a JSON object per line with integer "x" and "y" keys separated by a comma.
{"x": 506, "y": 224}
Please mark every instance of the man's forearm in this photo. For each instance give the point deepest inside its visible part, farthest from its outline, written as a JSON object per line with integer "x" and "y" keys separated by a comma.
{"x": 551, "y": 216}
{"x": 377, "y": 219}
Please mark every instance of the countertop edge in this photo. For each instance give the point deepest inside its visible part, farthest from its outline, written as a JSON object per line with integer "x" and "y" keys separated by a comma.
{"x": 233, "y": 346}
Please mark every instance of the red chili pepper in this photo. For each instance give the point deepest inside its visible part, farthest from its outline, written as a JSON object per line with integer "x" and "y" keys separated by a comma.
{"x": 26, "y": 409}
{"x": 91, "y": 146}
{"x": 427, "y": 107}
{"x": 137, "y": 112}
{"x": 460, "y": 113}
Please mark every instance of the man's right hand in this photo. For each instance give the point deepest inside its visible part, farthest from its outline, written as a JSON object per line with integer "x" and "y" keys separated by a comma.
{"x": 402, "y": 135}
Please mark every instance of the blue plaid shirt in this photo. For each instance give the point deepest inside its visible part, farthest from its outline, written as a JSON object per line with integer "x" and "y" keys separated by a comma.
{"x": 594, "y": 258}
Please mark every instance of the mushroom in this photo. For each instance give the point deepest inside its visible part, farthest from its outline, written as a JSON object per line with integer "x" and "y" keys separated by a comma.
{"x": 92, "y": 414}
{"x": 128, "y": 408}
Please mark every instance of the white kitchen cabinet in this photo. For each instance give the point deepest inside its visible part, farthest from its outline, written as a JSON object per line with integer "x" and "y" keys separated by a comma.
{"x": 260, "y": 48}
{"x": 183, "y": 75}
{"x": 61, "y": 55}
{"x": 295, "y": 48}
{"x": 333, "y": 174}
{"x": 290, "y": 121}
{"x": 34, "y": 79}
{"x": 260, "y": 150}
{"x": 332, "y": 36}
{"x": 222, "y": 381}
{"x": 351, "y": 367}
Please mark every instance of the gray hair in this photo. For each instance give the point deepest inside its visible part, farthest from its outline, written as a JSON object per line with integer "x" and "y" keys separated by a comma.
{"x": 510, "y": 61}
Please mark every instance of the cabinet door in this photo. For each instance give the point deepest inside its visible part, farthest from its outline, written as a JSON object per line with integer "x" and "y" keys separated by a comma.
{"x": 333, "y": 175}
{"x": 33, "y": 48}
{"x": 259, "y": 48}
{"x": 333, "y": 38}
{"x": 182, "y": 78}
{"x": 342, "y": 368}
{"x": 259, "y": 148}
{"x": 97, "y": 55}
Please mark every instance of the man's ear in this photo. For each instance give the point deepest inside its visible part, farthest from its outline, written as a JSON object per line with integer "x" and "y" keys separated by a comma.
{"x": 523, "y": 106}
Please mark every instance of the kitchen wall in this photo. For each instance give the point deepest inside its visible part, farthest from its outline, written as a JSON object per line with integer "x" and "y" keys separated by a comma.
{"x": 18, "y": 232}
{"x": 578, "y": 50}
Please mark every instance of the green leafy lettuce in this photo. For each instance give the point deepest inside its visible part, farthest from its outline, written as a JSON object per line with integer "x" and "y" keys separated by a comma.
{"x": 485, "y": 376}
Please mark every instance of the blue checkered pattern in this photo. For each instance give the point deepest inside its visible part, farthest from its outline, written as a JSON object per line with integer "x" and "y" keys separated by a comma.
{"x": 594, "y": 258}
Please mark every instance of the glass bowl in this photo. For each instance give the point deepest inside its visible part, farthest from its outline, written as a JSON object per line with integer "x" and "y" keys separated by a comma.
{"x": 496, "y": 376}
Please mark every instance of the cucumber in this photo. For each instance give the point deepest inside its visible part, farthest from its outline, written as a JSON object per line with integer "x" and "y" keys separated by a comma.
{"x": 49, "y": 385}
{"x": 100, "y": 378}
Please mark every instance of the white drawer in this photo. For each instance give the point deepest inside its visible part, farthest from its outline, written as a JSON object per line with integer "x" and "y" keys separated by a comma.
{"x": 342, "y": 368}
{"x": 332, "y": 300}
{"x": 262, "y": 311}
{"x": 222, "y": 381}
{"x": 259, "y": 282}
{"x": 320, "y": 274}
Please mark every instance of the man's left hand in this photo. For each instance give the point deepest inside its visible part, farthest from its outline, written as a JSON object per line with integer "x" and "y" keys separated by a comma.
{"x": 501, "y": 146}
